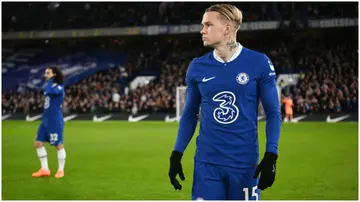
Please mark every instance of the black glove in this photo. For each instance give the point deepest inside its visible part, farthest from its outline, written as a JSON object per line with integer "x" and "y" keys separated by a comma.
{"x": 267, "y": 167}
{"x": 176, "y": 168}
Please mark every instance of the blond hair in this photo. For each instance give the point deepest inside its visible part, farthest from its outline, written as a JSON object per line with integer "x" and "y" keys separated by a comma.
{"x": 228, "y": 12}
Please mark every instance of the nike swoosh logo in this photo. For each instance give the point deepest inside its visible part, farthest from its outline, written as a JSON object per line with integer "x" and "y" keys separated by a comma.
{"x": 68, "y": 118}
{"x": 101, "y": 119}
{"x": 136, "y": 119}
{"x": 6, "y": 116}
{"x": 297, "y": 119}
{"x": 207, "y": 79}
{"x": 34, "y": 118}
{"x": 330, "y": 120}
{"x": 168, "y": 119}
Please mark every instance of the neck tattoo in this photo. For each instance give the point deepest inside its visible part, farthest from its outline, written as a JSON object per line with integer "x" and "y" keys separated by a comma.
{"x": 231, "y": 45}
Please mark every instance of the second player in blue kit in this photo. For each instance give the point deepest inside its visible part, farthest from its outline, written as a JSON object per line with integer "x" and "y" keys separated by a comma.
{"x": 52, "y": 124}
{"x": 228, "y": 83}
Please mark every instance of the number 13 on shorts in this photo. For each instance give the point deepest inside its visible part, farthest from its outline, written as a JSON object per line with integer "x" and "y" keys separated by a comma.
{"x": 252, "y": 194}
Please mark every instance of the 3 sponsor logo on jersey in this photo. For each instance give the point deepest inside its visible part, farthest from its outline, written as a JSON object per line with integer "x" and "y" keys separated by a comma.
{"x": 227, "y": 112}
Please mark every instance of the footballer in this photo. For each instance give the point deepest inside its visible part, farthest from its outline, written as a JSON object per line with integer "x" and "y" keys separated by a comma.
{"x": 52, "y": 124}
{"x": 228, "y": 83}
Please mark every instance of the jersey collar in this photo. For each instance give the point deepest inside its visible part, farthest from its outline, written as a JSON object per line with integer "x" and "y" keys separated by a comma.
{"x": 233, "y": 57}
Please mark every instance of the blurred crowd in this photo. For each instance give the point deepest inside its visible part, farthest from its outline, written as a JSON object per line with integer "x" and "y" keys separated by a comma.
{"x": 326, "y": 60}
{"x": 100, "y": 90}
{"x": 331, "y": 80}
{"x": 328, "y": 81}
{"x": 24, "y": 16}
{"x": 108, "y": 91}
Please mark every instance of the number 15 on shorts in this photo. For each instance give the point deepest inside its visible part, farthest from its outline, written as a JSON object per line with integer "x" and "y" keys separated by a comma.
{"x": 254, "y": 194}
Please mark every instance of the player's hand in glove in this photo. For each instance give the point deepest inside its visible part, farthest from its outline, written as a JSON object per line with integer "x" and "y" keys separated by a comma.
{"x": 267, "y": 168}
{"x": 176, "y": 168}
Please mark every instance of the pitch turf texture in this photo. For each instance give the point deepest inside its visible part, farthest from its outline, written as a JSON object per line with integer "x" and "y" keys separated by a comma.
{"x": 121, "y": 160}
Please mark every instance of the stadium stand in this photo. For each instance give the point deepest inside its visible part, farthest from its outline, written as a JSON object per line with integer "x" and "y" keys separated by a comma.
{"x": 325, "y": 59}
{"x": 330, "y": 83}
{"x": 56, "y": 15}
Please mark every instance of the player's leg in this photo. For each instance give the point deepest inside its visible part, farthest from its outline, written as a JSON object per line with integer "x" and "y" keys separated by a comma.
{"x": 41, "y": 152}
{"x": 288, "y": 118}
{"x": 289, "y": 114}
{"x": 241, "y": 185}
{"x": 61, "y": 159}
{"x": 56, "y": 139}
{"x": 208, "y": 183}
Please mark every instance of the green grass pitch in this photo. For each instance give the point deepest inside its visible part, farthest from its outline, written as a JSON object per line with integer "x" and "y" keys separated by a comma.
{"x": 121, "y": 160}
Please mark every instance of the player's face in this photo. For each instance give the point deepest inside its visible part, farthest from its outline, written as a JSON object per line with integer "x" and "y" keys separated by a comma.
{"x": 48, "y": 74}
{"x": 213, "y": 31}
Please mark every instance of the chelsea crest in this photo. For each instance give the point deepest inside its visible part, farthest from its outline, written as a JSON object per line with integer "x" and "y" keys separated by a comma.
{"x": 242, "y": 78}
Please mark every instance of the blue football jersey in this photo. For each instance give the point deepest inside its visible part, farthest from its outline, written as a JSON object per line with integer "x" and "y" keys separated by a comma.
{"x": 229, "y": 95}
{"x": 54, "y": 97}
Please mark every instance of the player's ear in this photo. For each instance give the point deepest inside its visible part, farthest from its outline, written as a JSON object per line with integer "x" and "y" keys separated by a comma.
{"x": 227, "y": 28}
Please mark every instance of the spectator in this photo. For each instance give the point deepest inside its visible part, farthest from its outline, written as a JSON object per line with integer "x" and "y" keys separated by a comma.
{"x": 328, "y": 81}
{"x": 64, "y": 15}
